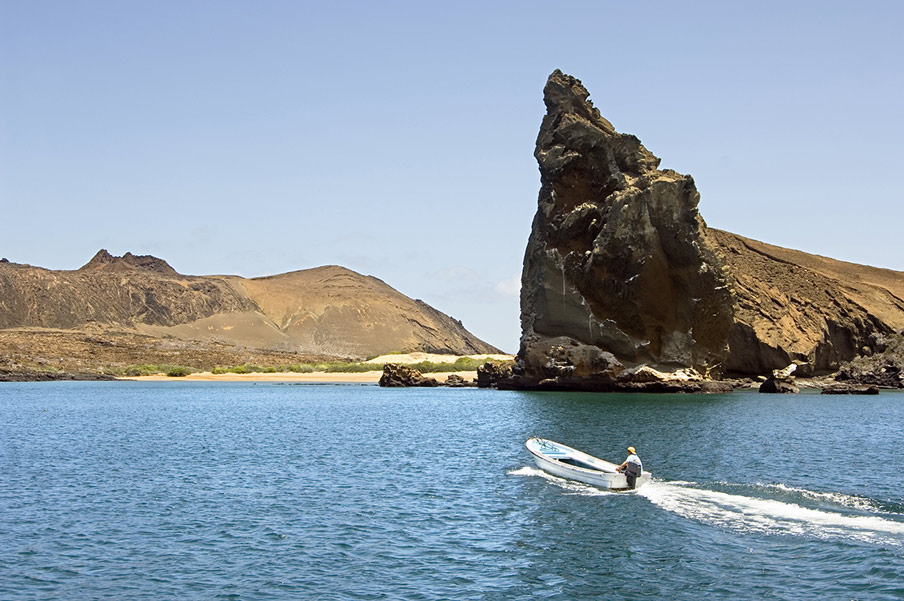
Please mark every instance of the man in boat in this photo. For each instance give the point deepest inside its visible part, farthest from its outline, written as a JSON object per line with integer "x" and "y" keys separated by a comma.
{"x": 632, "y": 467}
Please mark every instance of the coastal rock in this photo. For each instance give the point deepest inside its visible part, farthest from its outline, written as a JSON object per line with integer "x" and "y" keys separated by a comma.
{"x": 773, "y": 386}
{"x": 850, "y": 389}
{"x": 491, "y": 373}
{"x": 580, "y": 367}
{"x": 888, "y": 375}
{"x": 884, "y": 368}
{"x": 617, "y": 270}
{"x": 456, "y": 381}
{"x": 781, "y": 381}
{"x": 621, "y": 272}
{"x": 398, "y": 375}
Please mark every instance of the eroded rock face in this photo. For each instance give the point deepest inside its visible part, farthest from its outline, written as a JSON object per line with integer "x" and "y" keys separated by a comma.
{"x": 883, "y": 368}
{"x": 618, "y": 271}
{"x": 621, "y": 274}
{"x": 817, "y": 312}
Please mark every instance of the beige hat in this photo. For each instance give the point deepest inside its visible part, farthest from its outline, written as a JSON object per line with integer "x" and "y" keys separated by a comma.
{"x": 631, "y": 450}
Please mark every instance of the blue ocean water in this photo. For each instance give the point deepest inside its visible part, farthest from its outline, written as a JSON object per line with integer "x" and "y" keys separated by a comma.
{"x": 186, "y": 490}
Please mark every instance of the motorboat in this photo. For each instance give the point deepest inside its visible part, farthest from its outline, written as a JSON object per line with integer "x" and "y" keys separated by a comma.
{"x": 565, "y": 462}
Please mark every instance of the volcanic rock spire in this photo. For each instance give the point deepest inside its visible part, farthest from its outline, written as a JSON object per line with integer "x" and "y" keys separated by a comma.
{"x": 618, "y": 271}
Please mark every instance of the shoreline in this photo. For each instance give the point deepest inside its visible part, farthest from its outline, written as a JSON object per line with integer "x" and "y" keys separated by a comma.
{"x": 367, "y": 377}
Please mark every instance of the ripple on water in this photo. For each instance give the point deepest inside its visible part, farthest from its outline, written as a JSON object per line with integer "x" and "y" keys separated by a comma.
{"x": 240, "y": 492}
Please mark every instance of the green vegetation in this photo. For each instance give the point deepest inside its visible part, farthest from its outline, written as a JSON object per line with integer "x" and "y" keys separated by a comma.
{"x": 179, "y": 371}
{"x": 173, "y": 371}
{"x": 299, "y": 368}
{"x": 176, "y": 371}
{"x": 461, "y": 364}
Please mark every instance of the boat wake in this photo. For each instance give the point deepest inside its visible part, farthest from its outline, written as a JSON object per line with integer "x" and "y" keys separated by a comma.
{"x": 571, "y": 486}
{"x": 773, "y": 509}
{"x": 781, "y": 510}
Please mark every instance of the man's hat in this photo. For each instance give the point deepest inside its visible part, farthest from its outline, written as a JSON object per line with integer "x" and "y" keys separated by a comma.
{"x": 631, "y": 450}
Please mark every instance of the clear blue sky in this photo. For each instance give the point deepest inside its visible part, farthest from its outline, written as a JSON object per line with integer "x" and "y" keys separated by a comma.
{"x": 396, "y": 138}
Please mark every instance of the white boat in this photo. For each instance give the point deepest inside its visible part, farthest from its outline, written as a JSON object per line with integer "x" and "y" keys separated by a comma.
{"x": 565, "y": 462}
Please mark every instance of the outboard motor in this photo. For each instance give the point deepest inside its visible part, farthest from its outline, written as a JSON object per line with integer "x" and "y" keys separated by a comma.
{"x": 632, "y": 471}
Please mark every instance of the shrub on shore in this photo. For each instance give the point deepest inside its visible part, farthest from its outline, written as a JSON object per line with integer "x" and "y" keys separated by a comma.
{"x": 461, "y": 364}
{"x": 173, "y": 371}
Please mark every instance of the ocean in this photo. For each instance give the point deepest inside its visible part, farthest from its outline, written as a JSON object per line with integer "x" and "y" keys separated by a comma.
{"x": 186, "y": 490}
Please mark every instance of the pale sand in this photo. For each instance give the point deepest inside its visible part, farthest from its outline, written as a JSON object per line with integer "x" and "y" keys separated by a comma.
{"x": 368, "y": 377}
{"x": 433, "y": 358}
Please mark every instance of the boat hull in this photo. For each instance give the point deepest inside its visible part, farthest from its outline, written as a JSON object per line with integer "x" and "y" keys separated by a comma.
{"x": 565, "y": 462}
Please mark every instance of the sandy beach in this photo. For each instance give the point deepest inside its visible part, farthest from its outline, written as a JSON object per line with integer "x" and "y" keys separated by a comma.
{"x": 409, "y": 358}
{"x": 368, "y": 377}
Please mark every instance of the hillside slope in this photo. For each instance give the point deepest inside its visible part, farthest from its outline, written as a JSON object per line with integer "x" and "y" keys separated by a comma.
{"x": 794, "y": 306}
{"x": 327, "y": 311}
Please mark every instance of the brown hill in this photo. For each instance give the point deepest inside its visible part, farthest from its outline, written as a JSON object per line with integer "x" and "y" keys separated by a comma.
{"x": 123, "y": 291}
{"x": 621, "y": 274}
{"x": 327, "y": 311}
{"x": 794, "y": 306}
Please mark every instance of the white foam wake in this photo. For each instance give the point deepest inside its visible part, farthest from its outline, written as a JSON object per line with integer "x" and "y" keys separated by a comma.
{"x": 852, "y": 501}
{"x": 571, "y": 486}
{"x": 751, "y": 514}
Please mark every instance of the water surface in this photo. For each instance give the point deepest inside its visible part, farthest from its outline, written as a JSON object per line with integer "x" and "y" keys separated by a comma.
{"x": 243, "y": 491}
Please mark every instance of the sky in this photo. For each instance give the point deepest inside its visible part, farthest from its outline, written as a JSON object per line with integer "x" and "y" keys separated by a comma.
{"x": 396, "y": 138}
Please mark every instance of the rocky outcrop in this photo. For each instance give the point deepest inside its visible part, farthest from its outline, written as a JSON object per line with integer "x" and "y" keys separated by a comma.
{"x": 457, "y": 381}
{"x": 850, "y": 389}
{"x": 621, "y": 272}
{"x": 104, "y": 261}
{"x": 491, "y": 373}
{"x": 776, "y": 386}
{"x": 617, "y": 271}
{"x": 883, "y": 368}
{"x": 781, "y": 381}
{"x": 396, "y": 375}
{"x": 888, "y": 375}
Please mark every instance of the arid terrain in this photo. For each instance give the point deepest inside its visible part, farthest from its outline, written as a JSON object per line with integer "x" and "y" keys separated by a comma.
{"x": 43, "y": 353}
{"x": 130, "y": 310}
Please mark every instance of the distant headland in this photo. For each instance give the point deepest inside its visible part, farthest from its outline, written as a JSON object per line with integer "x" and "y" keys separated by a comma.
{"x": 119, "y": 312}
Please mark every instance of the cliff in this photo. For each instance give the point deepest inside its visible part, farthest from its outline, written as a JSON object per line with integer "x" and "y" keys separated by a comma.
{"x": 623, "y": 283}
